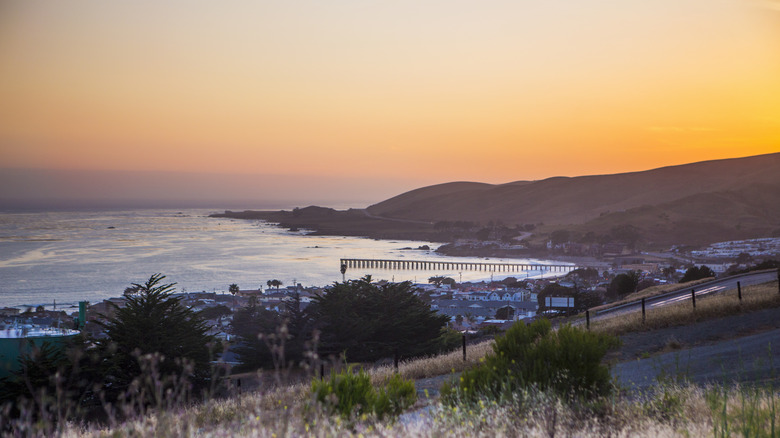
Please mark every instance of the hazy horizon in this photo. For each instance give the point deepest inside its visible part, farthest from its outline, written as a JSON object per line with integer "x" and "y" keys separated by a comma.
{"x": 58, "y": 189}
{"x": 40, "y": 189}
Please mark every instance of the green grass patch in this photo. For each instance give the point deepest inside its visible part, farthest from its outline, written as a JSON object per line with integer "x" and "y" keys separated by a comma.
{"x": 352, "y": 395}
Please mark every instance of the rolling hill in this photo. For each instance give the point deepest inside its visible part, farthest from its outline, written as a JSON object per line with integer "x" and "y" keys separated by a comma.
{"x": 690, "y": 204}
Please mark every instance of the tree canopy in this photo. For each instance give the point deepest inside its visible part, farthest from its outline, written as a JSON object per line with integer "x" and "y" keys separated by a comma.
{"x": 368, "y": 321}
{"x": 248, "y": 324}
{"x": 154, "y": 321}
{"x": 215, "y": 312}
{"x": 259, "y": 329}
{"x": 439, "y": 280}
{"x": 697, "y": 273}
{"x": 586, "y": 274}
{"x": 623, "y": 284}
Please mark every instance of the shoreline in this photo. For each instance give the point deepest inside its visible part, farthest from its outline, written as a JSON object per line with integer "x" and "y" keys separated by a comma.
{"x": 358, "y": 223}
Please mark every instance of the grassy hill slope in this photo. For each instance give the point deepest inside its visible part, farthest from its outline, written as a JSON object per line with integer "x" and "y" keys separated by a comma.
{"x": 689, "y": 204}
{"x": 699, "y": 219}
{"x": 575, "y": 200}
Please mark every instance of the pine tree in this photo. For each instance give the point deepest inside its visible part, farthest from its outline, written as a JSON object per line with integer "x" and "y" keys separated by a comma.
{"x": 155, "y": 328}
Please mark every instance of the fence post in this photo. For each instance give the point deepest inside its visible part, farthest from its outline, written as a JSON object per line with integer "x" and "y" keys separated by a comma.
{"x": 693, "y": 297}
{"x": 739, "y": 292}
{"x": 587, "y": 319}
{"x": 644, "y": 315}
{"x": 464, "y": 347}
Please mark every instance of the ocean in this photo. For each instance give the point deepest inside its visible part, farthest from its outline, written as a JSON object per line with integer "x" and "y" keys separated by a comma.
{"x": 92, "y": 255}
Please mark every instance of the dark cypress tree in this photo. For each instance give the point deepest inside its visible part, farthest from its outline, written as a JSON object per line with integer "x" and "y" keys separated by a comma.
{"x": 368, "y": 321}
{"x": 248, "y": 324}
{"x": 155, "y": 329}
{"x": 299, "y": 326}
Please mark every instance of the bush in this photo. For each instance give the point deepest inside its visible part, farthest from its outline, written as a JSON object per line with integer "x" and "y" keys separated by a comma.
{"x": 623, "y": 284}
{"x": 566, "y": 361}
{"x": 697, "y": 273}
{"x": 449, "y": 340}
{"x": 396, "y": 396}
{"x": 349, "y": 394}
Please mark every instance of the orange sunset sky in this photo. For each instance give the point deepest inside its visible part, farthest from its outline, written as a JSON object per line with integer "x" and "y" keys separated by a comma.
{"x": 396, "y": 94}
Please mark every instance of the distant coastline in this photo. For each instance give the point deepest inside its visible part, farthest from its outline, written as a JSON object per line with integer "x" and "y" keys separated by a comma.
{"x": 322, "y": 221}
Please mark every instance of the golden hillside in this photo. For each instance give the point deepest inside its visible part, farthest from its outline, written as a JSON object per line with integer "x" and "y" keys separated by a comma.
{"x": 693, "y": 203}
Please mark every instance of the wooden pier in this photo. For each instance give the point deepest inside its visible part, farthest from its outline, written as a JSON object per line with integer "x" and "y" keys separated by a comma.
{"x": 427, "y": 265}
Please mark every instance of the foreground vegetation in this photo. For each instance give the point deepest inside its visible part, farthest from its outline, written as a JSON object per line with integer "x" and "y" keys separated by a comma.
{"x": 566, "y": 362}
{"x": 674, "y": 410}
{"x": 481, "y": 401}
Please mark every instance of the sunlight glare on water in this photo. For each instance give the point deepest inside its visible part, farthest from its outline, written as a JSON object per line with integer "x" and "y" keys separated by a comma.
{"x": 94, "y": 255}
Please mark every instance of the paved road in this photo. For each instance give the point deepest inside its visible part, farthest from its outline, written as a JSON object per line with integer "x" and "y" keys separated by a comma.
{"x": 746, "y": 359}
{"x": 703, "y": 289}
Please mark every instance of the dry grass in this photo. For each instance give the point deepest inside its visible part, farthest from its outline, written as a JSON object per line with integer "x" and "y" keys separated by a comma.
{"x": 708, "y": 307}
{"x": 282, "y": 411}
{"x": 672, "y": 410}
{"x": 435, "y": 365}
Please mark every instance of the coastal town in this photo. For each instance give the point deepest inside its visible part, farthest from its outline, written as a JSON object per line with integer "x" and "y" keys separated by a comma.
{"x": 389, "y": 219}
{"x": 471, "y": 307}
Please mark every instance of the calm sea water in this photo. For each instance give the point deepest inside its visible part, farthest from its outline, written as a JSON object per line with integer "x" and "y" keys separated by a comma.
{"x": 94, "y": 255}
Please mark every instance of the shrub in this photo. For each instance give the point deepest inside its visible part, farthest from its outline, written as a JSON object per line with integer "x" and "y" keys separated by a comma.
{"x": 566, "y": 361}
{"x": 349, "y": 394}
{"x": 697, "y": 273}
{"x": 395, "y": 397}
{"x": 448, "y": 340}
{"x": 623, "y": 284}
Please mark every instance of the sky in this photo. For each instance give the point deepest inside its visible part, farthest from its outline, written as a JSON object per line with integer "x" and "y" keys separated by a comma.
{"x": 359, "y": 100}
